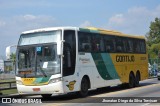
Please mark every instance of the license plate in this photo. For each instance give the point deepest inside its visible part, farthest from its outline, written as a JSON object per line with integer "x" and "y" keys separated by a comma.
{"x": 36, "y": 89}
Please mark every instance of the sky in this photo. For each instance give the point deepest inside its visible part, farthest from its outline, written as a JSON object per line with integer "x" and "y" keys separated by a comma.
{"x": 127, "y": 16}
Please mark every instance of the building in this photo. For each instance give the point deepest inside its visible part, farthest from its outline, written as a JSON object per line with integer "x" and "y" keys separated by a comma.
{"x": 1, "y": 65}
{"x": 8, "y": 66}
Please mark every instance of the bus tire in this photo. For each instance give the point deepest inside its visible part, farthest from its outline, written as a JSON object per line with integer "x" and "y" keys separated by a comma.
{"x": 46, "y": 95}
{"x": 123, "y": 85}
{"x": 84, "y": 87}
{"x": 137, "y": 79}
{"x": 131, "y": 80}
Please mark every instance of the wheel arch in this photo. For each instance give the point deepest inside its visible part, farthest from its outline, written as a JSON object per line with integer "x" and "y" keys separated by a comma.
{"x": 87, "y": 77}
{"x": 131, "y": 72}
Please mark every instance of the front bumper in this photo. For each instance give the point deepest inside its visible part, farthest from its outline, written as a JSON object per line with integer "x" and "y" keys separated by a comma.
{"x": 54, "y": 88}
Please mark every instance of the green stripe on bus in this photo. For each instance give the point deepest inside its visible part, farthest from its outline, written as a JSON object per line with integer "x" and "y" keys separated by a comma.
{"x": 94, "y": 31}
{"x": 41, "y": 80}
{"x": 84, "y": 30}
{"x": 88, "y": 30}
{"x": 101, "y": 67}
{"x": 109, "y": 65}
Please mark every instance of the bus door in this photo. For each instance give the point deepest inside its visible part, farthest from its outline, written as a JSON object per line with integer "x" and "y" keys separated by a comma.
{"x": 69, "y": 58}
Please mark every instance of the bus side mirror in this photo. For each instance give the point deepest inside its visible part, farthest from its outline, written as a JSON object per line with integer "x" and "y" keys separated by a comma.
{"x": 59, "y": 48}
{"x": 8, "y": 52}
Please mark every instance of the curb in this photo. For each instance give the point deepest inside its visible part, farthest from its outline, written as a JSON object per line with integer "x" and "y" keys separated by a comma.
{"x": 11, "y": 95}
{"x": 15, "y": 95}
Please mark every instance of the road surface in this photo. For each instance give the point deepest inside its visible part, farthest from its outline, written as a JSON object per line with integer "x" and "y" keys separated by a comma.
{"x": 148, "y": 88}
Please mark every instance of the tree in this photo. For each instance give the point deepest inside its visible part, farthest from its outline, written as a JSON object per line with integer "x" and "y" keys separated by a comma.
{"x": 154, "y": 33}
{"x": 13, "y": 59}
{"x": 159, "y": 54}
{"x": 153, "y": 39}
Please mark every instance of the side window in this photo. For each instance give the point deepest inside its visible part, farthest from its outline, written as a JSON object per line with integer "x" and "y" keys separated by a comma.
{"x": 69, "y": 51}
{"x": 120, "y": 44}
{"x": 136, "y": 46}
{"x": 102, "y": 48}
{"x": 109, "y": 43}
{"x": 124, "y": 41}
{"x": 97, "y": 43}
{"x": 142, "y": 46}
{"x": 84, "y": 42}
{"x": 129, "y": 45}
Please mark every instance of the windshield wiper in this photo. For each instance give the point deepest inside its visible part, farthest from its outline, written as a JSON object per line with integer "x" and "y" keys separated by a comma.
{"x": 43, "y": 71}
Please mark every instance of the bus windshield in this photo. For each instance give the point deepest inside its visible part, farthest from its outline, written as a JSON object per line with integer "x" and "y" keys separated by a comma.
{"x": 40, "y": 37}
{"x": 37, "y": 61}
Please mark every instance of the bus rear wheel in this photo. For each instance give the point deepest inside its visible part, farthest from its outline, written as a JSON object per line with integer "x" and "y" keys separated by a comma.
{"x": 84, "y": 87}
{"x": 137, "y": 79}
{"x": 131, "y": 80}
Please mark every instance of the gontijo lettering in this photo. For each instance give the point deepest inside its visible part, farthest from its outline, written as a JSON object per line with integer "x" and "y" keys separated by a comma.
{"x": 125, "y": 58}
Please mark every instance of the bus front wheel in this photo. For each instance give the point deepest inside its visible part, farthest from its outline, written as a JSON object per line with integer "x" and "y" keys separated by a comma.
{"x": 46, "y": 95}
{"x": 84, "y": 87}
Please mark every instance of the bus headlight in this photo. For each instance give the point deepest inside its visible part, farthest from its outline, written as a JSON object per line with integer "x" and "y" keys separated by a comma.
{"x": 55, "y": 80}
{"x": 19, "y": 82}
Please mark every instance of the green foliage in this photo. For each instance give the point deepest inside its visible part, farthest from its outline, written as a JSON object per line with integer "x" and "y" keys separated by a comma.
{"x": 155, "y": 48}
{"x": 153, "y": 39}
{"x": 8, "y": 92}
{"x": 154, "y": 33}
{"x": 13, "y": 57}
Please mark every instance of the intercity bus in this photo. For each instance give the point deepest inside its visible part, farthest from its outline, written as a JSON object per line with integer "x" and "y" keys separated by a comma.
{"x": 61, "y": 60}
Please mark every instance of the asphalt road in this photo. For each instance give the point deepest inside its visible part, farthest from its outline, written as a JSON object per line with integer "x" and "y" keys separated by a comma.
{"x": 149, "y": 88}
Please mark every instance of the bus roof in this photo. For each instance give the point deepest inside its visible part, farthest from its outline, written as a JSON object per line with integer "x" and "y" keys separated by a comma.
{"x": 111, "y": 32}
{"x": 49, "y": 29}
{"x": 87, "y": 29}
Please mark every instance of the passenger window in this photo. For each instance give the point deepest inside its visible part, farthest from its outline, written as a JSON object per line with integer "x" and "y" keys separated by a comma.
{"x": 129, "y": 45}
{"x": 84, "y": 40}
{"x": 136, "y": 46}
{"x": 95, "y": 43}
{"x": 120, "y": 45}
{"x": 109, "y": 43}
{"x": 142, "y": 46}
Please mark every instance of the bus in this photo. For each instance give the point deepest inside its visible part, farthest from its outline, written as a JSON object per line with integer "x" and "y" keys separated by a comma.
{"x": 60, "y": 60}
